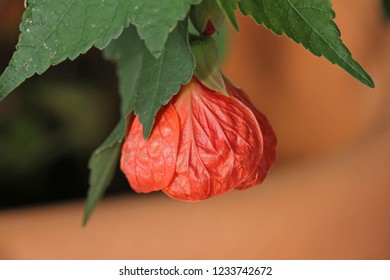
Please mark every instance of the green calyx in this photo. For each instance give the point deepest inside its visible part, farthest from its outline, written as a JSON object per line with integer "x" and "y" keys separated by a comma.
{"x": 206, "y": 57}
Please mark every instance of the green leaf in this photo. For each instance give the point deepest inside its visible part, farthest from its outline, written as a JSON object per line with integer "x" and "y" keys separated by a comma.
{"x": 207, "y": 71}
{"x": 102, "y": 165}
{"x": 229, "y": 7}
{"x": 127, "y": 51}
{"x": 144, "y": 82}
{"x": 310, "y": 23}
{"x": 386, "y": 8}
{"x": 205, "y": 11}
{"x": 161, "y": 78}
{"x": 52, "y": 31}
{"x": 155, "y": 19}
{"x": 222, "y": 41}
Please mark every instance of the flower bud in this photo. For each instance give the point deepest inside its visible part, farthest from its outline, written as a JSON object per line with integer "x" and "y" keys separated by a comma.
{"x": 210, "y": 29}
{"x": 203, "y": 144}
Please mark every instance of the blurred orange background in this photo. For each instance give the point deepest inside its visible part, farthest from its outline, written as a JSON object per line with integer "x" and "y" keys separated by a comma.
{"x": 326, "y": 198}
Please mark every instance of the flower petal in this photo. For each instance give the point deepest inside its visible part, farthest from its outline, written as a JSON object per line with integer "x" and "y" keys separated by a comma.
{"x": 269, "y": 137}
{"x": 220, "y": 144}
{"x": 150, "y": 164}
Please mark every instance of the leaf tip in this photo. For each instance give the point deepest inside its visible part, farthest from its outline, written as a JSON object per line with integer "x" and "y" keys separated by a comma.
{"x": 371, "y": 83}
{"x": 147, "y": 129}
{"x": 367, "y": 80}
{"x": 88, "y": 210}
{"x": 86, "y": 217}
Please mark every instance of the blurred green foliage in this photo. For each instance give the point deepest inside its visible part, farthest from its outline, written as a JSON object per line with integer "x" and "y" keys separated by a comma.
{"x": 386, "y": 7}
{"x": 51, "y": 125}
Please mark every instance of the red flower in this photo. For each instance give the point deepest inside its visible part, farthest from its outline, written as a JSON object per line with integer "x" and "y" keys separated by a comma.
{"x": 203, "y": 144}
{"x": 269, "y": 137}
